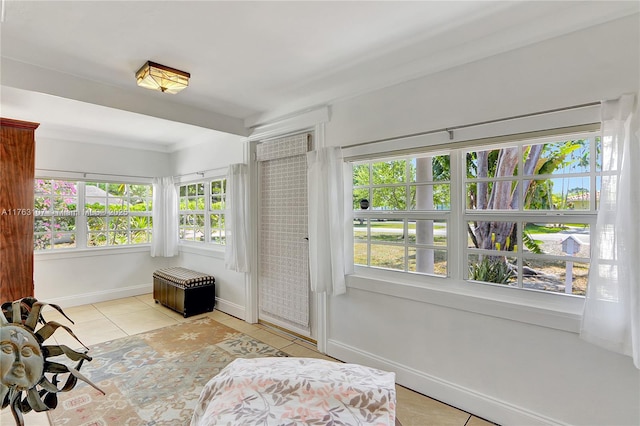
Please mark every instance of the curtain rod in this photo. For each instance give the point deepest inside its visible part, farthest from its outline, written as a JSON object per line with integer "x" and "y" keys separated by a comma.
{"x": 480, "y": 123}
{"x": 84, "y": 174}
{"x": 200, "y": 173}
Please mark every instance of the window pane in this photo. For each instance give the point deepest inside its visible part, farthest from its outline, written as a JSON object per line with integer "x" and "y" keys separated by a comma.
{"x": 64, "y": 240}
{"x": 361, "y": 174}
{"x": 200, "y": 203}
{"x": 430, "y": 169}
{"x": 389, "y": 198}
{"x": 360, "y": 254}
{"x": 41, "y": 241}
{"x": 64, "y": 204}
{"x": 42, "y": 186}
{"x": 64, "y": 223}
{"x": 430, "y": 197}
{"x": 557, "y": 239}
{"x": 42, "y": 224}
{"x": 557, "y": 158}
{"x": 387, "y": 231}
{"x": 493, "y": 269}
{"x": 217, "y": 187}
{"x": 387, "y": 256}
{"x": 95, "y": 196}
{"x": 117, "y": 189}
{"x": 96, "y": 223}
{"x": 491, "y": 235}
{"x": 558, "y": 194}
{"x": 118, "y": 204}
{"x": 492, "y": 195}
{"x": 118, "y": 238}
{"x": 216, "y": 221}
{"x": 42, "y": 204}
{"x": 118, "y": 222}
{"x": 139, "y": 222}
{"x": 389, "y": 172}
{"x": 428, "y": 232}
{"x": 360, "y": 229}
{"x": 217, "y": 203}
{"x": 361, "y": 199}
{"x": 139, "y": 237}
{"x": 96, "y": 239}
{"x": 551, "y": 275}
{"x": 493, "y": 163}
{"x": 428, "y": 261}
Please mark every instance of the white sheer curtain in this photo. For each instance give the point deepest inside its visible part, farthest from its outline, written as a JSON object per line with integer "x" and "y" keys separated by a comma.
{"x": 611, "y": 317}
{"x": 325, "y": 183}
{"x": 164, "y": 242}
{"x": 236, "y": 251}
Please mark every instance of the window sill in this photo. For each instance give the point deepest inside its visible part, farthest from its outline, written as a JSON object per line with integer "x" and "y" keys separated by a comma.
{"x": 204, "y": 250}
{"x": 554, "y": 311}
{"x": 89, "y": 252}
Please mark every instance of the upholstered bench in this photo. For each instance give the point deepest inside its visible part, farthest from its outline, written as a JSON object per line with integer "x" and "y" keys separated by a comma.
{"x": 183, "y": 290}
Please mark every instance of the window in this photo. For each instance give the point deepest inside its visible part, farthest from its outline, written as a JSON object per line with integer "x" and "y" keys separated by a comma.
{"x": 117, "y": 214}
{"x": 114, "y": 214}
{"x": 55, "y": 214}
{"x": 524, "y": 211}
{"x": 402, "y": 214}
{"x": 201, "y": 211}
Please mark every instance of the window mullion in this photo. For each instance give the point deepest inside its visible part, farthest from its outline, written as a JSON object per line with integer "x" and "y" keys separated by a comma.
{"x": 81, "y": 218}
{"x": 207, "y": 211}
{"x": 456, "y": 227}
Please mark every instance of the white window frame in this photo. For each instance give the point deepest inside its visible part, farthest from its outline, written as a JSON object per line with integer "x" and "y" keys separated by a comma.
{"x": 52, "y": 214}
{"x": 534, "y": 307}
{"x": 370, "y": 214}
{"x": 82, "y": 215}
{"x": 207, "y": 212}
{"x": 108, "y": 215}
{"x": 522, "y": 216}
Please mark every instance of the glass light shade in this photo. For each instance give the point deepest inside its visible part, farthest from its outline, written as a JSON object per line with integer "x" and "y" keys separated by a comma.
{"x": 159, "y": 77}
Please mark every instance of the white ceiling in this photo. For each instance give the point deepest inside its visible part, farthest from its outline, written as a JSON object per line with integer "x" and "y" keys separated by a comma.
{"x": 250, "y": 62}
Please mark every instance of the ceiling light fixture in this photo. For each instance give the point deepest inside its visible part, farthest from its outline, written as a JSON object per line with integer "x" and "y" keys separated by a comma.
{"x": 160, "y": 77}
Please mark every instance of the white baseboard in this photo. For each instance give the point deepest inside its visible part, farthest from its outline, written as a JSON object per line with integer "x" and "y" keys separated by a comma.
{"x": 100, "y": 296}
{"x": 230, "y": 308}
{"x": 469, "y": 400}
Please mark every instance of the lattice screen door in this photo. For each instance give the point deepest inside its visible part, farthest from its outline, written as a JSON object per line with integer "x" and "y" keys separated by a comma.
{"x": 283, "y": 276}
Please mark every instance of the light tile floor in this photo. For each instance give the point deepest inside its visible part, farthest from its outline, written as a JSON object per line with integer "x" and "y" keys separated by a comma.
{"x": 110, "y": 320}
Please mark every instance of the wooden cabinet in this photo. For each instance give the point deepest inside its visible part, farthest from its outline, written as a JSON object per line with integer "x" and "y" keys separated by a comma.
{"x": 17, "y": 168}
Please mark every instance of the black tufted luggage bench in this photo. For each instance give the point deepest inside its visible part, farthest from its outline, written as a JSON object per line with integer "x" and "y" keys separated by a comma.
{"x": 183, "y": 290}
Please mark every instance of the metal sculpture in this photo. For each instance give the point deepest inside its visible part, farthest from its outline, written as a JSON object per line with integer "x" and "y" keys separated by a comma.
{"x": 29, "y": 380}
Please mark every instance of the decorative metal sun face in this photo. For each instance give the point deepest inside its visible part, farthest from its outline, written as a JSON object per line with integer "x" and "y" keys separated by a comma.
{"x": 21, "y": 361}
{"x": 28, "y": 379}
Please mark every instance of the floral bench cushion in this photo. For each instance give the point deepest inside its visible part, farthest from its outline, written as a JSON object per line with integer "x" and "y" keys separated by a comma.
{"x": 309, "y": 391}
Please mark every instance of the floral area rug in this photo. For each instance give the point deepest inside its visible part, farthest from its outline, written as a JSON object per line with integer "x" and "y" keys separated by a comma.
{"x": 154, "y": 378}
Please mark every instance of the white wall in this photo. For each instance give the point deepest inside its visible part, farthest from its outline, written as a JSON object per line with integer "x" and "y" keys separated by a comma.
{"x": 95, "y": 158}
{"x": 586, "y": 66}
{"x": 213, "y": 157}
{"x": 88, "y": 277}
{"x": 508, "y": 371}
